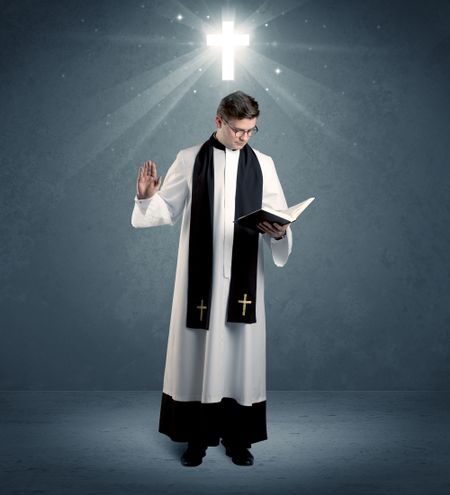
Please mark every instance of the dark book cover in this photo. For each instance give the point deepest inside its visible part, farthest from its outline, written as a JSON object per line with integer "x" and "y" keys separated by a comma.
{"x": 253, "y": 219}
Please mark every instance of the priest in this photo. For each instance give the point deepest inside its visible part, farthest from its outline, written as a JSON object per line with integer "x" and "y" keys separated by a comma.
{"x": 215, "y": 375}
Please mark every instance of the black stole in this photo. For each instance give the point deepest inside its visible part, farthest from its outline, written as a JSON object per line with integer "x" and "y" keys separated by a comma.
{"x": 244, "y": 261}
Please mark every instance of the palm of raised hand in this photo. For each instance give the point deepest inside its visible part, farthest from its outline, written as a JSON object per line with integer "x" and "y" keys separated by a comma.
{"x": 148, "y": 182}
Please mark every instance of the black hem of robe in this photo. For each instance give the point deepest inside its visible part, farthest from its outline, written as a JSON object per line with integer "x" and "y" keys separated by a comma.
{"x": 207, "y": 423}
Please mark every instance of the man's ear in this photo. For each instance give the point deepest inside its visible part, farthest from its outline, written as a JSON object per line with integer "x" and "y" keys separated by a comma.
{"x": 218, "y": 122}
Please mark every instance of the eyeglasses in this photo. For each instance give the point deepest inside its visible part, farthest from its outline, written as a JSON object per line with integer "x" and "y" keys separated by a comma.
{"x": 240, "y": 132}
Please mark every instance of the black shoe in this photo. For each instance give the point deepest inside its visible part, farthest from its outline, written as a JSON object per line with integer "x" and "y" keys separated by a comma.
{"x": 239, "y": 455}
{"x": 193, "y": 455}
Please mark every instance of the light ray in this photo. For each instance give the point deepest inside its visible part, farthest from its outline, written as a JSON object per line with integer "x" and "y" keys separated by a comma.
{"x": 167, "y": 105}
{"x": 170, "y": 8}
{"x": 102, "y": 135}
{"x": 285, "y": 94}
{"x": 126, "y": 39}
{"x": 142, "y": 81}
{"x": 308, "y": 83}
{"x": 259, "y": 64}
{"x": 270, "y": 11}
{"x": 206, "y": 7}
{"x": 315, "y": 48}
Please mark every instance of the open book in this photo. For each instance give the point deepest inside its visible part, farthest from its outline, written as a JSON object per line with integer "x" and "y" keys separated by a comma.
{"x": 282, "y": 217}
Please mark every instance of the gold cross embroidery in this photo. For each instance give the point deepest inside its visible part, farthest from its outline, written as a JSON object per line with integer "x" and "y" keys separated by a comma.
{"x": 244, "y": 303}
{"x": 201, "y": 308}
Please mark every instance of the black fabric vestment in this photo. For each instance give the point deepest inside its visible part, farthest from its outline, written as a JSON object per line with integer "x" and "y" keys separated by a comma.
{"x": 245, "y": 241}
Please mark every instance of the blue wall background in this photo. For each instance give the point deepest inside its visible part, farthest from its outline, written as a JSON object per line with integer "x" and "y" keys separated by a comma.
{"x": 358, "y": 117}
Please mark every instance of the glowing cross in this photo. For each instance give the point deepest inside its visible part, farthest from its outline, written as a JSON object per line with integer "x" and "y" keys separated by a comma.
{"x": 244, "y": 303}
{"x": 228, "y": 40}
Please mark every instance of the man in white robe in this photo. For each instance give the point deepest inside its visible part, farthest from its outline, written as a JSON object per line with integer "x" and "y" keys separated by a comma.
{"x": 215, "y": 377}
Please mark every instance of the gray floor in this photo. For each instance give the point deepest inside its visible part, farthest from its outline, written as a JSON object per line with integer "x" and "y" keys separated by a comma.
{"x": 319, "y": 443}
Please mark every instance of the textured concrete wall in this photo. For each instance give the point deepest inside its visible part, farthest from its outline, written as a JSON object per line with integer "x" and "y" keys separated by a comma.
{"x": 357, "y": 115}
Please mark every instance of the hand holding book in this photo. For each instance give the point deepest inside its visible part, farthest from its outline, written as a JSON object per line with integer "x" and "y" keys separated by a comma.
{"x": 274, "y": 230}
{"x": 280, "y": 217}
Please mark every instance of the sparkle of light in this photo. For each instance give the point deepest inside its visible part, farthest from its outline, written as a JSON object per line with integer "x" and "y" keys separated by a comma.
{"x": 228, "y": 40}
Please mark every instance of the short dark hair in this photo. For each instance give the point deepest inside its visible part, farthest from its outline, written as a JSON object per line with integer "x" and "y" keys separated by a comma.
{"x": 238, "y": 105}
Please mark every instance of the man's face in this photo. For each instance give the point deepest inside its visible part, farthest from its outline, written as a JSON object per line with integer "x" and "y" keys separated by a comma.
{"x": 226, "y": 131}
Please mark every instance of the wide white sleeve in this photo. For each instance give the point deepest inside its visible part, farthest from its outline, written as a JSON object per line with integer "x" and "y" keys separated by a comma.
{"x": 167, "y": 204}
{"x": 273, "y": 197}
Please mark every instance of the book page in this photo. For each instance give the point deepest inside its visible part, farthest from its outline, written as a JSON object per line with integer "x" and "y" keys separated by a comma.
{"x": 295, "y": 211}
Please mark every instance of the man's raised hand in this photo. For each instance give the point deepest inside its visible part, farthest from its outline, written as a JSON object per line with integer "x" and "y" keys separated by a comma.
{"x": 148, "y": 182}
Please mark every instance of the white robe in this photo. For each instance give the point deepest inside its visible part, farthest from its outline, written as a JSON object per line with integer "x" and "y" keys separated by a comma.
{"x": 229, "y": 359}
